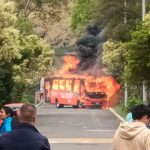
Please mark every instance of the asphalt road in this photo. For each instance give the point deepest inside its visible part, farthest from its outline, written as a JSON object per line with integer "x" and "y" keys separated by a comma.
{"x": 71, "y": 128}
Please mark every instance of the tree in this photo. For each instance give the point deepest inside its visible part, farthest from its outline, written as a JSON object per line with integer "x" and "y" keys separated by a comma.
{"x": 9, "y": 36}
{"x": 24, "y": 57}
{"x": 9, "y": 48}
{"x": 82, "y": 13}
{"x": 138, "y": 54}
{"x": 45, "y": 9}
{"x": 36, "y": 61}
{"x": 46, "y": 16}
{"x": 113, "y": 57}
{"x": 110, "y": 15}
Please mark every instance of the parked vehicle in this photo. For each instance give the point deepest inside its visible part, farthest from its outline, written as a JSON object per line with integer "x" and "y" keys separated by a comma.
{"x": 15, "y": 107}
{"x": 74, "y": 91}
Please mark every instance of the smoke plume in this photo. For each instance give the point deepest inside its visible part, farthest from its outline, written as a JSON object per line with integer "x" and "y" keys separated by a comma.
{"x": 88, "y": 50}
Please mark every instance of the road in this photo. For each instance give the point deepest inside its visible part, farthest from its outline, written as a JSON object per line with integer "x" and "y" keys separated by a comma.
{"x": 71, "y": 129}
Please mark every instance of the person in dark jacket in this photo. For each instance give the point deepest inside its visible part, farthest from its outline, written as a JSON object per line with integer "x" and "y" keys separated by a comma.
{"x": 25, "y": 136}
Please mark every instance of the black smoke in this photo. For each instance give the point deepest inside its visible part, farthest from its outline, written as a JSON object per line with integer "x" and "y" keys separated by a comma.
{"x": 88, "y": 49}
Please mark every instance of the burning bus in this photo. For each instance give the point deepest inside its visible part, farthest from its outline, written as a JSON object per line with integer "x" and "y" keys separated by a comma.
{"x": 81, "y": 80}
{"x": 75, "y": 91}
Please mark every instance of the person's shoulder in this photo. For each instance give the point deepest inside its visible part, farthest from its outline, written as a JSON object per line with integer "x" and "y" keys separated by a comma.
{"x": 8, "y": 119}
{"x": 146, "y": 132}
{"x": 42, "y": 137}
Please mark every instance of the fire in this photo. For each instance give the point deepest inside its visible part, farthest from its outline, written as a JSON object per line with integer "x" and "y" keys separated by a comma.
{"x": 104, "y": 84}
{"x": 70, "y": 64}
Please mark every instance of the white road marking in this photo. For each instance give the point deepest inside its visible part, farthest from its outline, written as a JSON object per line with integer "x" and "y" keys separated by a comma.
{"x": 101, "y": 130}
{"x": 81, "y": 140}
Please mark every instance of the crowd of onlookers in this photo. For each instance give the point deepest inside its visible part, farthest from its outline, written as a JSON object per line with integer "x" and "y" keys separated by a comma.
{"x": 17, "y": 132}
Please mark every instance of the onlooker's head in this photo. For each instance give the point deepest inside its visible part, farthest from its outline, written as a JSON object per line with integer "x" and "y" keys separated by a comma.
{"x": 28, "y": 113}
{"x": 141, "y": 112}
{"x": 5, "y": 112}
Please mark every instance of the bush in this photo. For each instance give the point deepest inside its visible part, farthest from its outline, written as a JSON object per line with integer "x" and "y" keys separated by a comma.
{"x": 132, "y": 101}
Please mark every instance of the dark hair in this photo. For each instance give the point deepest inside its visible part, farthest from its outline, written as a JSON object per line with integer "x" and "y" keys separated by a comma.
{"x": 139, "y": 111}
{"x": 9, "y": 111}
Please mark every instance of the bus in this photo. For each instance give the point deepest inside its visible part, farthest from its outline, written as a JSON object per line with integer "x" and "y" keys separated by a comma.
{"x": 73, "y": 91}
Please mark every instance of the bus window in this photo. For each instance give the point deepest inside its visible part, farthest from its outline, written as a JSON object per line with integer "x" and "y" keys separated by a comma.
{"x": 55, "y": 85}
{"x": 76, "y": 86}
{"x": 61, "y": 84}
{"x": 68, "y": 85}
{"x": 47, "y": 85}
{"x": 47, "y": 88}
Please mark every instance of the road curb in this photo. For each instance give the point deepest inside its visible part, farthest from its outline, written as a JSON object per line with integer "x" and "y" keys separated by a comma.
{"x": 116, "y": 114}
{"x": 39, "y": 104}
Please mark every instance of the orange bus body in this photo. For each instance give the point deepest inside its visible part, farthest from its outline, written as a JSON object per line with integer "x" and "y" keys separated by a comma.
{"x": 71, "y": 91}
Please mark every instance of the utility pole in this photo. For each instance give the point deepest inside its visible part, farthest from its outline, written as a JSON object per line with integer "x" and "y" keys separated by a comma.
{"x": 144, "y": 82}
{"x": 144, "y": 92}
{"x": 143, "y": 9}
{"x": 125, "y": 85}
{"x": 126, "y": 95}
{"x": 125, "y": 11}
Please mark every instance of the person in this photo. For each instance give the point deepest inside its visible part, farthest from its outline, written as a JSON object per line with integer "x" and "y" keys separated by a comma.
{"x": 135, "y": 134}
{"x": 6, "y": 117}
{"x": 15, "y": 120}
{"x": 129, "y": 117}
{"x": 25, "y": 136}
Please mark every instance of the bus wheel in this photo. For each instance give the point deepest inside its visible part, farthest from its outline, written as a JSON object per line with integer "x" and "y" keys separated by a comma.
{"x": 61, "y": 106}
{"x": 79, "y": 104}
{"x": 58, "y": 105}
{"x": 74, "y": 106}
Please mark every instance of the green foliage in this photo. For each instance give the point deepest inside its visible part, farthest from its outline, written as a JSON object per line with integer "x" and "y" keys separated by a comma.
{"x": 120, "y": 109}
{"x": 47, "y": 9}
{"x": 22, "y": 93}
{"x": 82, "y": 13}
{"x": 7, "y": 15}
{"x": 113, "y": 58}
{"x": 24, "y": 57}
{"x": 6, "y": 81}
{"x": 36, "y": 60}
{"x": 24, "y": 26}
{"x": 108, "y": 14}
{"x": 132, "y": 101}
{"x": 138, "y": 55}
{"x": 9, "y": 47}
{"x": 17, "y": 90}
{"x": 9, "y": 43}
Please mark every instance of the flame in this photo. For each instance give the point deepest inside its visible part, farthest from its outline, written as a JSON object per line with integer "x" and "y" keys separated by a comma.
{"x": 70, "y": 64}
{"x": 104, "y": 84}
{"x": 47, "y": 87}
